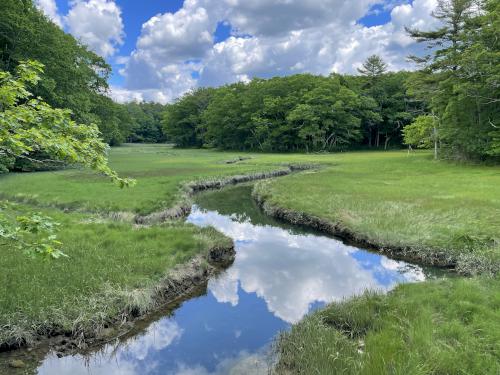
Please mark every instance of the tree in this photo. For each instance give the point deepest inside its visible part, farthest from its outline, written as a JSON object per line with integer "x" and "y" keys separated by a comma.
{"x": 423, "y": 133}
{"x": 461, "y": 75}
{"x": 74, "y": 78}
{"x": 29, "y": 126}
{"x": 146, "y": 121}
{"x": 182, "y": 121}
{"x": 373, "y": 67}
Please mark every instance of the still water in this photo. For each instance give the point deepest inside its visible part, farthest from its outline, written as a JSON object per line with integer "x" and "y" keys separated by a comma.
{"x": 280, "y": 274}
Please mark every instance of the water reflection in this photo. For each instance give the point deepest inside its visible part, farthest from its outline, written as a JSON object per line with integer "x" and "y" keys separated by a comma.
{"x": 280, "y": 273}
{"x": 292, "y": 272}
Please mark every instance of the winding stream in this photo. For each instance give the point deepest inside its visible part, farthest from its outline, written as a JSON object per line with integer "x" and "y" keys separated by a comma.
{"x": 280, "y": 274}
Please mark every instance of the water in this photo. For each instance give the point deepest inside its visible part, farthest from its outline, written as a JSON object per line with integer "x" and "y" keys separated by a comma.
{"x": 280, "y": 274}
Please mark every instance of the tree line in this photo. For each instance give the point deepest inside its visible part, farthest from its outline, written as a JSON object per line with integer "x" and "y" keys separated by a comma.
{"x": 302, "y": 112}
{"x": 74, "y": 77}
{"x": 451, "y": 103}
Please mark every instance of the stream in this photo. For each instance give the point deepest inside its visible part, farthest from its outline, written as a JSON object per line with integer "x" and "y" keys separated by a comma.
{"x": 281, "y": 272}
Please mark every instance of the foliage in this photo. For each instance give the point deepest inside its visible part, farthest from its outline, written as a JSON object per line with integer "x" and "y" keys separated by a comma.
{"x": 421, "y": 133}
{"x": 29, "y": 124}
{"x": 75, "y": 78}
{"x": 182, "y": 121}
{"x": 74, "y": 75}
{"x": 33, "y": 233}
{"x": 373, "y": 67}
{"x": 387, "y": 106}
{"x": 29, "y": 127}
{"x": 461, "y": 76}
{"x": 146, "y": 121}
{"x": 301, "y": 112}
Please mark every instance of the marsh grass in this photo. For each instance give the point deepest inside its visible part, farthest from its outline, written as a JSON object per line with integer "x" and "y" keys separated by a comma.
{"x": 161, "y": 173}
{"x": 439, "y": 327}
{"x": 391, "y": 199}
{"x": 112, "y": 269}
{"x": 400, "y": 201}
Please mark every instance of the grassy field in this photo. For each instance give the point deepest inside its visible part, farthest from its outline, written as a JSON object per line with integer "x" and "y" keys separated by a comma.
{"x": 395, "y": 200}
{"x": 439, "y": 327}
{"x": 159, "y": 170}
{"x": 387, "y": 198}
{"x": 112, "y": 268}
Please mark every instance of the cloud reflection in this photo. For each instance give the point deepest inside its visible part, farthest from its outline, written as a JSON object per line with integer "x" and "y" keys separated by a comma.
{"x": 125, "y": 361}
{"x": 291, "y": 271}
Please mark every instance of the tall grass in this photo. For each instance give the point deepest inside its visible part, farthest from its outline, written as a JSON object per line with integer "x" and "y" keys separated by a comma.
{"x": 395, "y": 200}
{"x": 439, "y": 327}
{"x": 110, "y": 266}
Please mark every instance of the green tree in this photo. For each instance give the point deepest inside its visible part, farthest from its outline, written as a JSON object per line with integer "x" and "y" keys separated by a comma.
{"x": 423, "y": 133}
{"x": 29, "y": 125}
{"x": 75, "y": 78}
{"x": 461, "y": 76}
{"x": 373, "y": 67}
{"x": 182, "y": 120}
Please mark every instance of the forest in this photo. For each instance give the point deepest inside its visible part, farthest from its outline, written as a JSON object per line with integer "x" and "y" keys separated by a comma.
{"x": 74, "y": 77}
{"x": 451, "y": 101}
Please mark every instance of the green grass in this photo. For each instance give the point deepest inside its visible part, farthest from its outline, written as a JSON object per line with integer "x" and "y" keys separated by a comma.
{"x": 440, "y": 327}
{"x": 395, "y": 200}
{"x": 160, "y": 172}
{"x": 112, "y": 267}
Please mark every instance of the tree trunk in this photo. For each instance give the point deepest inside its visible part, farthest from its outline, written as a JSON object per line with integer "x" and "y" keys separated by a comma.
{"x": 435, "y": 144}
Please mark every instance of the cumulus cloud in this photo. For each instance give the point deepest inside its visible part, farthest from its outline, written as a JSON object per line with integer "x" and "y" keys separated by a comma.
{"x": 49, "y": 8}
{"x": 265, "y": 17}
{"x": 98, "y": 24}
{"x": 176, "y": 52}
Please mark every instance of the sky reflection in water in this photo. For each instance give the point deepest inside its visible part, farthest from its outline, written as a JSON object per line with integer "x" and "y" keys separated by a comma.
{"x": 278, "y": 276}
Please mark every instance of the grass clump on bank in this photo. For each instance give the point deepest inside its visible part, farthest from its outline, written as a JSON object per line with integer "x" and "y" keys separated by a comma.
{"x": 439, "y": 327}
{"x": 411, "y": 203}
{"x": 111, "y": 272}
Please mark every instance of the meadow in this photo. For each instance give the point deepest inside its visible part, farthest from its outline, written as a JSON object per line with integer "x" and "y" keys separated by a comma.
{"x": 159, "y": 170}
{"x": 396, "y": 200}
{"x": 390, "y": 199}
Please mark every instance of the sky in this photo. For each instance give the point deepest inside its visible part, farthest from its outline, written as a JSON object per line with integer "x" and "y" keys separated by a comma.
{"x": 161, "y": 49}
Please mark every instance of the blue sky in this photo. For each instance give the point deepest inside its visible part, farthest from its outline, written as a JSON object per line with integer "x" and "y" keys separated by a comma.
{"x": 161, "y": 49}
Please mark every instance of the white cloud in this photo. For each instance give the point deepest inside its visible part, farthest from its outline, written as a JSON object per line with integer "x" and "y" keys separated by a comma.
{"x": 270, "y": 37}
{"x": 98, "y": 24}
{"x": 272, "y": 17}
{"x": 49, "y": 8}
